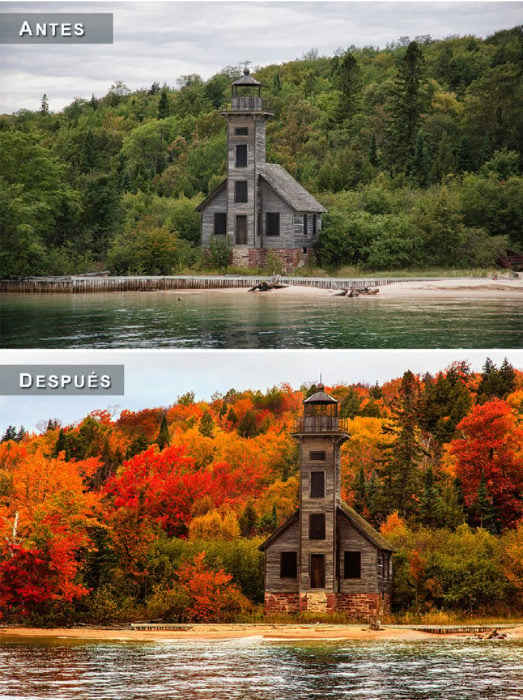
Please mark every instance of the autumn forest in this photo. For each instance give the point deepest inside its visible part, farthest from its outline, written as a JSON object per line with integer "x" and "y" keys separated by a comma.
{"x": 158, "y": 514}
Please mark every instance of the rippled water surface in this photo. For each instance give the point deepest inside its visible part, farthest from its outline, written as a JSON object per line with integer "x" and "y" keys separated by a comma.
{"x": 259, "y": 670}
{"x": 242, "y": 320}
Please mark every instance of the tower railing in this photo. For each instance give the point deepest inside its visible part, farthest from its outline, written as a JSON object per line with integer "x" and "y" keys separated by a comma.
{"x": 247, "y": 103}
{"x": 320, "y": 424}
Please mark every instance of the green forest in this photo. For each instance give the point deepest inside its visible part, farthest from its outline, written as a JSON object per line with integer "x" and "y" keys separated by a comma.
{"x": 158, "y": 514}
{"x": 415, "y": 150}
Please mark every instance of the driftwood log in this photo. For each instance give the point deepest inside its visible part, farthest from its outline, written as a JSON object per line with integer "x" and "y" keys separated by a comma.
{"x": 266, "y": 287}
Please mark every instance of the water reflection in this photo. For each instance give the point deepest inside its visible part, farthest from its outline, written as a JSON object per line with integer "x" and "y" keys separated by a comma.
{"x": 242, "y": 320}
{"x": 256, "y": 670}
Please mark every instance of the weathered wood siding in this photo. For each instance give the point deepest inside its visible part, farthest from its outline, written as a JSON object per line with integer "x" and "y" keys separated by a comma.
{"x": 272, "y": 203}
{"x": 326, "y": 506}
{"x": 217, "y": 205}
{"x": 304, "y": 239}
{"x": 288, "y": 541}
{"x": 351, "y": 540}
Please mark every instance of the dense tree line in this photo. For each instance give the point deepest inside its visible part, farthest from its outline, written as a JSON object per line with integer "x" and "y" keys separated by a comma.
{"x": 159, "y": 513}
{"x": 414, "y": 149}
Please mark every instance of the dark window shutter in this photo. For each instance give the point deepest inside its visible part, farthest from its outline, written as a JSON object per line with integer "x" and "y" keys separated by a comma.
{"x": 241, "y": 156}
{"x": 317, "y": 526}
{"x": 240, "y": 191}
{"x": 220, "y": 223}
{"x": 317, "y": 484}
{"x": 272, "y": 224}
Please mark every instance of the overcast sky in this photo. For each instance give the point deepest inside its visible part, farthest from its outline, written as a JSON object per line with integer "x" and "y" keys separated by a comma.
{"x": 160, "y": 41}
{"x": 157, "y": 378}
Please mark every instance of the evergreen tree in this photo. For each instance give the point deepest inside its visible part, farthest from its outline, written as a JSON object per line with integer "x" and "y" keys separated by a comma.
{"x": 464, "y": 163}
{"x": 206, "y": 425}
{"x": 348, "y": 80}
{"x": 248, "y": 520}
{"x": 44, "y": 105}
{"x": 496, "y": 383}
{"x": 445, "y": 161}
{"x": 93, "y": 102}
{"x": 138, "y": 445}
{"x": 360, "y": 493}
{"x": 402, "y": 455}
{"x": 373, "y": 151}
{"x": 277, "y": 82}
{"x": 483, "y": 511}
{"x": 232, "y": 417}
{"x": 61, "y": 445}
{"x": 163, "y": 105}
{"x": 10, "y": 434}
{"x": 406, "y": 108}
{"x": 350, "y": 406}
{"x": 486, "y": 150}
{"x": 429, "y": 499}
{"x": 421, "y": 164}
{"x": 163, "y": 434}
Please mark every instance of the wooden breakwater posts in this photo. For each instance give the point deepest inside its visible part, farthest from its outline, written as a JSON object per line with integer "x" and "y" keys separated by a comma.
{"x": 90, "y": 284}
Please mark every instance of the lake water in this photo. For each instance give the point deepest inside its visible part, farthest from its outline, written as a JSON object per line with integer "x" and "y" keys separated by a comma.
{"x": 259, "y": 670}
{"x": 243, "y": 320}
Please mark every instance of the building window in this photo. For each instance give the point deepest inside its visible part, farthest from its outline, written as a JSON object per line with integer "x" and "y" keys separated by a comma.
{"x": 317, "y": 484}
{"x": 272, "y": 227}
{"x": 314, "y": 225}
{"x": 317, "y": 526}
{"x": 241, "y": 229}
{"x": 317, "y": 571}
{"x": 385, "y": 565}
{"x": 241, "y": 156}
{"x": 240, "y": 191}
{"x": 288, "y": 565}
{"x": 242, "y": 131}
{"x": 319, "y": 456}
{"x": 305, "y": 225}
{"x": 220, "y": 223}
{"x": 352, "y": 565}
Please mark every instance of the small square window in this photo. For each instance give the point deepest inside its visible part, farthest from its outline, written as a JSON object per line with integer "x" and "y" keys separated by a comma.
{"x": 317, "y": 526}
{"x": 352, "y": 565}
{"x": 242, "y": 131}
{"x": 288, "y": 564}
{"x": 318, "y": 456}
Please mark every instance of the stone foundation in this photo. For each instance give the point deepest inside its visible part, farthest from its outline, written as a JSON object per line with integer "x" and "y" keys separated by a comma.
{"x": 286, "y": 603}
{"x": 288, "y": 258}
{"x": 357, "y": 605}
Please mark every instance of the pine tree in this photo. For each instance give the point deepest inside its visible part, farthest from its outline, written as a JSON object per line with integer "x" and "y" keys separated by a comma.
{"x": 93, "y": 102}
{"x": 464, "y": 162}
{"x": 429, "y": 499}
{"x": 10, "y": 433}
{"x": 350, "y": 406}
{"x": 348, "y": 80}
{"x": 163, "y": 105}
{"x": 248, "y": 520}
{"x": 406, "y": 108}
{"x": 206, "y": 425}
{"x": 484, "y": 512}
{"x": 373, "y": 151}
{"x": 420, "y": 165}
{"x": 277, "y": 82}
{"x": 360, "y": 493}
{"x": 486, "y": 150}
{"x": 163, "y": 434}
{"x": 44, "y": 105}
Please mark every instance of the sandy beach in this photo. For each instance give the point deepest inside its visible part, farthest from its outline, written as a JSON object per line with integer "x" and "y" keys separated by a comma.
{"x": 458, "y": 287}
{"x": 267, "y": 632}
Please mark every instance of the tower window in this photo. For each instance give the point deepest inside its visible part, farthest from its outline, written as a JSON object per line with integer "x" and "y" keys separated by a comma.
{"x": 272, "y": 224}
{"x": 288, "y": 564}
{"x": 240, "y": 191}
{"x": 241, "y": 131}
{"x": 317, "y": 572}
{"x": 317, "y": 526}
{"x": 220, "y": 223}
{"x": 318, "y": 456}
{"x": 352, "y": 565}
{"x": 305, "y": 232}
{"x": 241, "y": 156}
{"x": 317, "y": 484}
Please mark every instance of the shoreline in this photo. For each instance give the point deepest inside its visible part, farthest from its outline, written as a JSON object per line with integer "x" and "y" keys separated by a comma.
{"x": 265, "y": 632}
{"x": 475, "y": 288}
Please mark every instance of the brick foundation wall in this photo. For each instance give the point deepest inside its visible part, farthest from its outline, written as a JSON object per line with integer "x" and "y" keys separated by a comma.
{"x": 356, "y": 605}
{"x": 286, "y": 603}
{"x": 289, "y": 258}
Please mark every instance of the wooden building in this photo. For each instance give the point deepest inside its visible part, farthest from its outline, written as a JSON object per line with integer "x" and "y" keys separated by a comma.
{"x": 326, "y": 557}
{"x": 259, "y": 207}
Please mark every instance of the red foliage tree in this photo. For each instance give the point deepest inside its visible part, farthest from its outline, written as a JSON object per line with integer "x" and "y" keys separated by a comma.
{"x": 492, "y": 444}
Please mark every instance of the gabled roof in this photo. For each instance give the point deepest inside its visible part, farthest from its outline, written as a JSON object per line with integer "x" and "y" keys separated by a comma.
{"x": 363, "y": 527}
{"x": 355, "y": 519}
{"x": 212, "y": 195}
{"x": 289, "y": 189}
{"x": 293, "y": 519}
